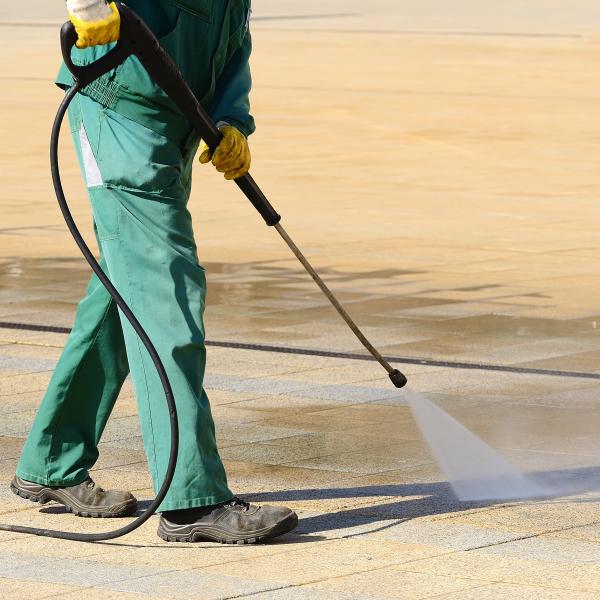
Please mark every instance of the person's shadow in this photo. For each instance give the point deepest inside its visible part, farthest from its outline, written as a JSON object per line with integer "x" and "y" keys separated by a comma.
{"x": 413, "y": 500}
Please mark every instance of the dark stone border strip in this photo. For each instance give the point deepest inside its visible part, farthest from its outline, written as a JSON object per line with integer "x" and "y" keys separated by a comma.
{"x": 33, "y": 327}
{"x": 449, "y": 364}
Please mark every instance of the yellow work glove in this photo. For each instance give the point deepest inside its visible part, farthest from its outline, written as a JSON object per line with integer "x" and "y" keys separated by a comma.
{"x": 232, "y": 157}
{"x": 95, "y": 33}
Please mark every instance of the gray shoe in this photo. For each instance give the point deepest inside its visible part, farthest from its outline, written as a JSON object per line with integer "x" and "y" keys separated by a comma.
{"x": 83, "y": 500}
{"x": 232, "y": 522}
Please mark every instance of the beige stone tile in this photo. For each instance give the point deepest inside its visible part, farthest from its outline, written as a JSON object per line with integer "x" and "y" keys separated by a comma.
{"x": 323, "y": 560}
{"x": 503, "y": 591}
{"x": 386, "y": 457}
{"x": 393, "y": 583}
{"x": 145, "y": 549}
{"x": 27, "y": 382}
{"x": 247, "y": 477}
{"x": 535, "y": 517}
{"x": 17, "y": 589}
{"x": 101, "y": 593}
{"x": 510, "y": 569}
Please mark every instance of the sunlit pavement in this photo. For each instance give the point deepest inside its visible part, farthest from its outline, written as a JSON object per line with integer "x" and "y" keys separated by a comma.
{"x": 440, "y": 169}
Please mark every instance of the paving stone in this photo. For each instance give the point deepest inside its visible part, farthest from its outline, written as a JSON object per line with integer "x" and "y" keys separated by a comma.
{"x": 182, "y": 583}
{"x": 391, "y": 583}
{"x": 503, "y": 591}
{"x": 17, "y": 589}
{"x": 317, "y": 560}
{"x": 306, "y": 593}
{"x": 510, "y": 569}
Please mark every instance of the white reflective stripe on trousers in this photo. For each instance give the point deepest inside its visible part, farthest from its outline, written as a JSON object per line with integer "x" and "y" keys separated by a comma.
{"x": 93, "y": 177}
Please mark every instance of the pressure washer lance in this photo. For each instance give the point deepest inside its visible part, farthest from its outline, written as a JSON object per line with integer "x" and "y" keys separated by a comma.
{"x": 137, "y": 40}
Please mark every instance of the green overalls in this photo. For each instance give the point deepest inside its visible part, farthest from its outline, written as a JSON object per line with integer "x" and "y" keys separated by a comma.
{"x": 136, "y": 152}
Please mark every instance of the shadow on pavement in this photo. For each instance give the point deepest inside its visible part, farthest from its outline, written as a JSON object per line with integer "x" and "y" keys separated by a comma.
{"x": 422, "y": 499}
{"x": 417, "y": 500}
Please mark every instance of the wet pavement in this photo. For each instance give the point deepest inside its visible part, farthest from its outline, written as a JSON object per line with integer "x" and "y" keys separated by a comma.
{"x": 440, "y": 170}
{"x": 267, "y": 302}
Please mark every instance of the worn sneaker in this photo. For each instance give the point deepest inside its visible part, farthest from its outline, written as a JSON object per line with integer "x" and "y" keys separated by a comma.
{"x": 83, "y": 500}
{"x": 232, "y": 522}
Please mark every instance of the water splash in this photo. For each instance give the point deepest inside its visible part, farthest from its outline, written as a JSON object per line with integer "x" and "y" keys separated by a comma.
{"x": 474, "y": 469}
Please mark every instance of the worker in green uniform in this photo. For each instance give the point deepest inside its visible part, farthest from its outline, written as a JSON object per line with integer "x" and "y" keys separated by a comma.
{"x": 136, "y": 152}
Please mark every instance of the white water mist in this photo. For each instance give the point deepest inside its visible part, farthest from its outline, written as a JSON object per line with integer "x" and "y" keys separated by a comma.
{"x": 474, "y": 469}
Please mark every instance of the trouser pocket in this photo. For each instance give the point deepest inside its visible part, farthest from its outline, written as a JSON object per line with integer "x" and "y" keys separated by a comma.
{"x": 107, "y": 213}
{"x": 133, "y": 157}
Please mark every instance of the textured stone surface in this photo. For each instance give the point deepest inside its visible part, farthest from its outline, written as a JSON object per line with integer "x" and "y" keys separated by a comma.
{"x": 438, "y": 164}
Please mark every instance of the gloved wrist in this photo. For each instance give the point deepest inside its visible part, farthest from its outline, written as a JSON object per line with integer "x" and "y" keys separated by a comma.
{"x": 89, "y": 10}
{"x": 97, "y": 32}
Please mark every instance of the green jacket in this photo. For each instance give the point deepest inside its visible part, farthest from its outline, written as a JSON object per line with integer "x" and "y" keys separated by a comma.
{"x": 210, "y": 42}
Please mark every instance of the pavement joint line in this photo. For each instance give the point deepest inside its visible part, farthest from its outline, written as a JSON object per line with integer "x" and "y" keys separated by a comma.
{"x": 358, "y": 572}
{"x": 497, "y": 581}
{"x": 407, "y": 32}
{"x": 275, "y": 589}
{"x": 434, "y": 33}
{"x": 52, "y": 24}
{"x": 533, "y": 535}
{"x": 108, "y": 583}
{"x": 291, "y": 548}
{"x": 70, "y": 592}
{"x": 28, "y": 343}
{"x": 443, "y": 93}
{"x": 449, "y": 364}
{"x": 484, "y": 584}
{"x": 120, "y": 466}
{"x": 377, "y": 529}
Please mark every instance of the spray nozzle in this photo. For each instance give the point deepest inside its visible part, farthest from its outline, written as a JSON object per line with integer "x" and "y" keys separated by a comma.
{"x": 398, "y": 378}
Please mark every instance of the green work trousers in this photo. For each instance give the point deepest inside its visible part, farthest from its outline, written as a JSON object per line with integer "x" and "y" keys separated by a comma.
{"x": 138, "y": 183}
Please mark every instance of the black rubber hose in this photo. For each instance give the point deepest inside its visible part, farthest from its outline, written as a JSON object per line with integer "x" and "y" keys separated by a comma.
{"x": 138, "y": 40}
{"x": 87, "y": 253}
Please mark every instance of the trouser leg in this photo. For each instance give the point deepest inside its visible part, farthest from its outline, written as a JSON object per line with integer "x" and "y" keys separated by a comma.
{"x": 165, "y": 288}
{"x": 63, "y": 442}
{"x": 139, "y": 184}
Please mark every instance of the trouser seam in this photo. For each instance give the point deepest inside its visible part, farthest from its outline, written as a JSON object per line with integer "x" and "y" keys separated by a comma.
{"x": 154, "y": 467}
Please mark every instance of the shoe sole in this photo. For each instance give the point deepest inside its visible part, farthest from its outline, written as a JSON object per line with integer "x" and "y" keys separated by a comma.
{"x": 214, "y": 534}
{"x": 46, "y": 495}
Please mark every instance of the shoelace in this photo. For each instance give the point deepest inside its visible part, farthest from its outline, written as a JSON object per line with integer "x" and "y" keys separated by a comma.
{"x": 91, "y": 484}
{"x": 235, "y": 501}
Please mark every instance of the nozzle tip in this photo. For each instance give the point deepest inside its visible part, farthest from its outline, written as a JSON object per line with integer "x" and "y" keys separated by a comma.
{"x": 398, "y": 378}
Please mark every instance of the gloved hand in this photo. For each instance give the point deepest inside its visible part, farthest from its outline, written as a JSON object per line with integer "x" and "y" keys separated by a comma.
{"x": 95, "y": 21}
{"x": 232, "y": 156}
